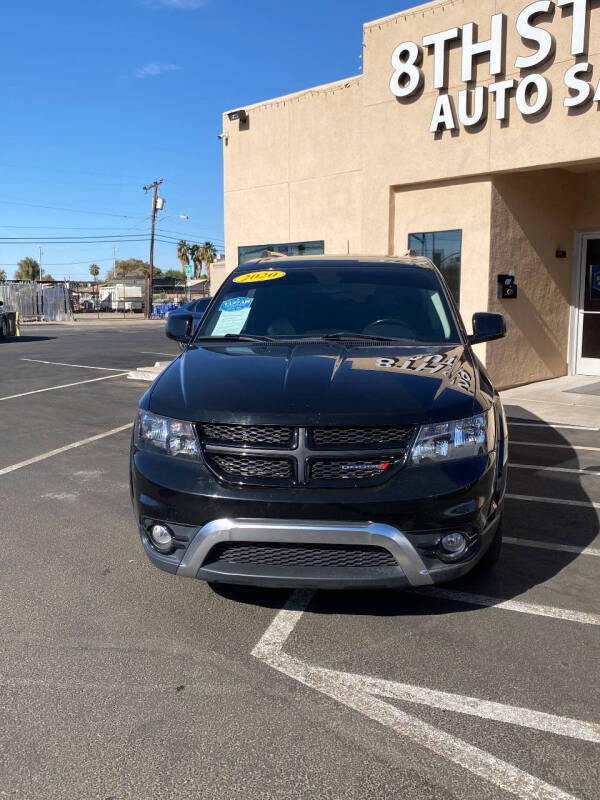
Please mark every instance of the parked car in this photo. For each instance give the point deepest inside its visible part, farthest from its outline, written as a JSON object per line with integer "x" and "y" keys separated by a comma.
{"x": 328, "y": 425}
{"x": 6, "y": 322}
{"x": 196, "y": 308}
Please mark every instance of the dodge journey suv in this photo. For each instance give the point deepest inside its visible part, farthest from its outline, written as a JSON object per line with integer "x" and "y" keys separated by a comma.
{"x": 328, "y": 425}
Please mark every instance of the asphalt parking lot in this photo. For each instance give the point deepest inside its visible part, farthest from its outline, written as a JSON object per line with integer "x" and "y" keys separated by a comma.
{"x": 120, "y": 681}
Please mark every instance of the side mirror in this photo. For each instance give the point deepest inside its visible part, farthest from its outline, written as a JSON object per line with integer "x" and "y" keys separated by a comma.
{"x": 180, "y": 327}
{"x": 487, "y": 327}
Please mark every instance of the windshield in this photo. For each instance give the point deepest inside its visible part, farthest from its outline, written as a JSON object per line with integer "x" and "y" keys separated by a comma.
{"x": 312, "y": 302}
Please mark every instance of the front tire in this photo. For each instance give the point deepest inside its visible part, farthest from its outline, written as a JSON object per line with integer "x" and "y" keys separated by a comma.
{"x": 3, "y": 328}
{"x": 493, "y": 553}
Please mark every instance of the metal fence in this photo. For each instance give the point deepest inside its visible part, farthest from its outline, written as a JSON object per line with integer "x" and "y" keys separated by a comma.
{"x": 37, "y": 300}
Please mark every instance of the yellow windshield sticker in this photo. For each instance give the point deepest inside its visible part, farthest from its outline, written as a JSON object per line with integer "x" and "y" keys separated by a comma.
{"x": 257, "y": 277}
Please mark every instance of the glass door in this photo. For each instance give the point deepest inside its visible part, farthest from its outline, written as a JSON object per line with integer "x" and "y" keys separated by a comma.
{"x": 588, "y": 338}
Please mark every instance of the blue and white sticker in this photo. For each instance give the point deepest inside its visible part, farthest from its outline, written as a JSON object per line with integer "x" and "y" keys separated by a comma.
{"x": 236, "y": 304}
{"x": 233, "y": 315}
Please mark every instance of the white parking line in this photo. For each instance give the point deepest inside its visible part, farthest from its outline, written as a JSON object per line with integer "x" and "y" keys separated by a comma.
{"x": 561, "y": 548}
{"x": 337, "y": 686}
{"x": 553, "y": 500}
{"x": 64, "y": 386}
{"x": 155, "y": 353}
{"x": 564, "y": 614}
{"x": 78, "y": 366}
{"x": 550, "y": 425}
{"x": 64, "y": 449}
{"x": 554, "y": 469}
{"x": 473, "y": 706}
{"x": 559, "y": 446}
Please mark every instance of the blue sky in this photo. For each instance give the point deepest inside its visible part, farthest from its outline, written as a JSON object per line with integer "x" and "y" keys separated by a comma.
{"x": 100, "y": 97}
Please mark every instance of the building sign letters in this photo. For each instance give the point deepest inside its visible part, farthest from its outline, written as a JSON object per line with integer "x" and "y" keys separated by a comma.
{"x": 532, "y": 93}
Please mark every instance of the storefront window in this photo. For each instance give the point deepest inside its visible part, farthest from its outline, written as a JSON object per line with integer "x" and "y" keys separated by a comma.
{"x": 251, "y": 252}
{"x": 444, "y": 249}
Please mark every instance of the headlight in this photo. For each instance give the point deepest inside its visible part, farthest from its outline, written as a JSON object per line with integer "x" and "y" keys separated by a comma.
{"x": 168, "y": 436}
{"x": 449, "y": 441}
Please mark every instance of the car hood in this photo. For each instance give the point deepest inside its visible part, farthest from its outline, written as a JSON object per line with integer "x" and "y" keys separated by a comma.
{"x": 318, "y": 383}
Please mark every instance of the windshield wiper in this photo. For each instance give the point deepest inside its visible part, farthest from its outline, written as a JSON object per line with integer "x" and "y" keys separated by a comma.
{"x": 235, "y": 337}
{"x": 348, "y": 336}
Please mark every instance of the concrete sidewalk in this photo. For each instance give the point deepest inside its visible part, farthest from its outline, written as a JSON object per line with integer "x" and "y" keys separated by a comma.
{"x": 572, "y": 400}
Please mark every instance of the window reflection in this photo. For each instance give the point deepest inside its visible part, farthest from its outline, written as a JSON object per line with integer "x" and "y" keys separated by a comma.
{"x": 250, "y": 252}
{"x": 444, "y": 249}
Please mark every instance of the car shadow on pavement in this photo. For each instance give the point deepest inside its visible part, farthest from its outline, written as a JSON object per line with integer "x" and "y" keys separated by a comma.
{"x": 25, "y": 339}
{"x": 521, "y": 566}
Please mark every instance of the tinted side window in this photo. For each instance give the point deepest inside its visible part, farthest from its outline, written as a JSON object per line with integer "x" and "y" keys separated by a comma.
{"x": 444, "y": 248}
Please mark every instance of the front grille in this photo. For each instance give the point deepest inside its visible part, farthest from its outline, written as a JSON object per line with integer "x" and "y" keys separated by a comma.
{"x": 361, "y": 437}
{"x": 301, "y": 555}
{"x": 254, "y": 435}
{"x": 286, "y": 455}
{"x": 248, "y": 467}
{"x": 335, "y": 470}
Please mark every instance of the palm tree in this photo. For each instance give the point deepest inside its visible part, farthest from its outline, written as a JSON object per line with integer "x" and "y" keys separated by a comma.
{"x": 94, "y": 271}
{"x": 209, "y": 255}
{"x": 183, "y": 254}
{"x": 196, "y": 257}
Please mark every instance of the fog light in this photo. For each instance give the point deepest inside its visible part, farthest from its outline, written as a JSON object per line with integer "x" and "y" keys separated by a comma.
{"x": 161, "y": 538}
{"x": 452, "y": 547}
{"x": 453, "y": 543}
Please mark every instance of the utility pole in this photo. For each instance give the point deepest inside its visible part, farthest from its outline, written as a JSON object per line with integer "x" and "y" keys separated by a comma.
{"x": 153, "y": 187}
{"x": 40, "y": 263}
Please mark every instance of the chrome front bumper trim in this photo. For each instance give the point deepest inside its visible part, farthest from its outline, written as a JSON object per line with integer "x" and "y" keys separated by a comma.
{"x": 306, "y": 532}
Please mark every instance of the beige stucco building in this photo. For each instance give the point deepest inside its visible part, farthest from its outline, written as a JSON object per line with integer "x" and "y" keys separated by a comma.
{"x": 487, "y": 162}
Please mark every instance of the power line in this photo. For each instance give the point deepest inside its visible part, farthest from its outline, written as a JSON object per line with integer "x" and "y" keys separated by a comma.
{"x": 188, "y": 234}
{"x": 13, "y": 242}
{"x": 64, "y": 228}
{"x": 96, "y": 238}
{"x": 83, "y": 172}
{"x": 62, "y": 263}
{"x": 194, "y": 235}
{"x": 26, "y": 242}
{"x": 70, "y": 210}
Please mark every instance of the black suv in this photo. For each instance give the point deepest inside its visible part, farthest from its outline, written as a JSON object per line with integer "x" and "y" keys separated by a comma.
{"x": 328, "y": 425}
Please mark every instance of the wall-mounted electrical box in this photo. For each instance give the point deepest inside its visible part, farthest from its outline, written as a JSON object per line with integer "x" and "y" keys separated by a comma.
{"x": 507, "y": 288}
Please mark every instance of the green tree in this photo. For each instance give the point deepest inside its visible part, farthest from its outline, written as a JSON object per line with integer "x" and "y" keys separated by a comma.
{"x": 28, "y": 269}
{"x": 183, "y": 254}
{"x": 209, "y": 255}
{"x": 2, "y": 275}
{"x": 196, "y": 257}
{"x": 132, "y": 268}
{"x": 175, "y": 273}
{"x": 94, "y": 271}
{"x": 47, "y": 277}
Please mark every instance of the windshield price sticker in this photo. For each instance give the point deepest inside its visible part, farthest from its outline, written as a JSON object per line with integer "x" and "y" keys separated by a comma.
{"x": 259, "y": 277}
{"x": 236, "y": 304}
{"x": 233, "y": 316}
